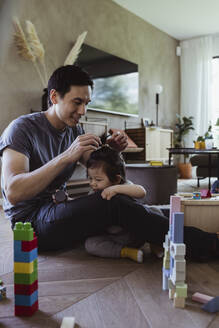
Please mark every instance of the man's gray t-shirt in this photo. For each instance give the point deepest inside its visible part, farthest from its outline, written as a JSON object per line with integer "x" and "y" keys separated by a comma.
{"x": 34, "y": 136}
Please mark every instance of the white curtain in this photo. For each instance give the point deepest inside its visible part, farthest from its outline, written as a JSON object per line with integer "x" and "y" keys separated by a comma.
{"x": 195, "y": 65}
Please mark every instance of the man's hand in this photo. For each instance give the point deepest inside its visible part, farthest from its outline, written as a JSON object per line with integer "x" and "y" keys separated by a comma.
{"x": 118, "y": 141}
{"x": 109, "y": 192}
{"x": 82, "y": 144}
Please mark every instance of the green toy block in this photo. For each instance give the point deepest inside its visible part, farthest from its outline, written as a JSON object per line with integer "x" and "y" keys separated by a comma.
{"x": 181, "y": 290}
{"x": 23, "y": 231}
{"x": 26, "y": 278}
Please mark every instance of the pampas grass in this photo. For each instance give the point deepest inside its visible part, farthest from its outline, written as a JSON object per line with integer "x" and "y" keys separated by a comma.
{"x": 36, "y": 45}
{"x": 22, "y": 44}
{"x": 30, "y": 48}
{"x": 76, "y": 49}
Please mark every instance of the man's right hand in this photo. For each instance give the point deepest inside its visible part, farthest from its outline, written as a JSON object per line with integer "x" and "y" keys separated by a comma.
{"x": 83, "y": 143}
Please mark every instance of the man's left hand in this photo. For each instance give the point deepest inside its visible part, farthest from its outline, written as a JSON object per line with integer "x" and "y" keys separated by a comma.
{"x": 118, "y": 141}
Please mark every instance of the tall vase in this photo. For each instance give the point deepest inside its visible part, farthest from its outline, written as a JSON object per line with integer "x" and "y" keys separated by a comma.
{"x": 44, "y": 99}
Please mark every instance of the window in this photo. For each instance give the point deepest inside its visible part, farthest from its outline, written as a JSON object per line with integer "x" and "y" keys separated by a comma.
{"x": 115, "y": 81}
{"x": 117, "y": 93}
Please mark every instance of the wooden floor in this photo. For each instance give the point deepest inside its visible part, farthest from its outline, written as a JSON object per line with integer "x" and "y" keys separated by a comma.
{"x": 105, "y": 293}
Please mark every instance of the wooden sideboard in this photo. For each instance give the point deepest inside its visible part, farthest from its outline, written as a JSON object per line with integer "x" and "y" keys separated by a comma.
{"x": 155, "y": 142}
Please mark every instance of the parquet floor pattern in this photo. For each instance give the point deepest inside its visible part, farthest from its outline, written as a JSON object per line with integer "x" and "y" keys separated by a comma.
{"x": 105, "y": 293}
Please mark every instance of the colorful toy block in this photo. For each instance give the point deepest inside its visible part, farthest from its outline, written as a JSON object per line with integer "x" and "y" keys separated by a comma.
{"x": 196, "y": 195}
{"x": 23, "y": 231}
{"x": 26, "y": 289}
{"x": 28, "y": 246}
{"x": 23, "y": 256}
{"x": 26, "y": 278}
{"x": 25, "y": 269}
{"x": 174, "y": 264}
{"x": 26, "y": 310}
{"x": 21, "y": 267}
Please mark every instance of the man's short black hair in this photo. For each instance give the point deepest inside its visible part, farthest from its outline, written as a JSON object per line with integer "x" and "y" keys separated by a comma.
{"x": 66, "y": 76}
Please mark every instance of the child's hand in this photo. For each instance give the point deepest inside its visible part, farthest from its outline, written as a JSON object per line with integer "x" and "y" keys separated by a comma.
{"x": 109, "y": 192}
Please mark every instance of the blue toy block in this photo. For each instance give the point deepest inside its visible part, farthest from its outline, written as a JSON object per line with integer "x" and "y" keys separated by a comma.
{"x": 177, "y": 228}
{"x": 20, "y": 256}
{"x": 167, "y": 272}
{"x": 164, "y": 281}
{"x": 26, "y": 300}
{"x": 171, "y": 264}
{"x": 212, "y": 306}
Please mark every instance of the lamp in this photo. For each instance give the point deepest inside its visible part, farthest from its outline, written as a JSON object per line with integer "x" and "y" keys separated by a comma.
{"x": 158, "y": 89}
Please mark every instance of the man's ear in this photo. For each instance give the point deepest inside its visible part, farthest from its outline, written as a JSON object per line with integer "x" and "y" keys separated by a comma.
{"x": 118, "y": 179}
{"x": 53, "y": 96}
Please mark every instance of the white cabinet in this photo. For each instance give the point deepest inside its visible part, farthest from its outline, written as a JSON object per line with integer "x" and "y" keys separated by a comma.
{"x": 157, "y": 140}
{"x": 154, "y": 142}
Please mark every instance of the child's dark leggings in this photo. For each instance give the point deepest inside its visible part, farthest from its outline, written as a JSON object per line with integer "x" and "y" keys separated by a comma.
{"x": 60, "y": 225}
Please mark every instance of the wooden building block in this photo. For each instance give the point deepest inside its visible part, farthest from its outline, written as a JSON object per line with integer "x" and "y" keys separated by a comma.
{"x": 179, "y": 302}
{"x": 68, "y": 322}
{"x": 201, "y": 298}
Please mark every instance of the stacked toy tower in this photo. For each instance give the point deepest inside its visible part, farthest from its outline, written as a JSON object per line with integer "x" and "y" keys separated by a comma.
{"x": 25, "y": 269}
{"x": 174, "y": 264}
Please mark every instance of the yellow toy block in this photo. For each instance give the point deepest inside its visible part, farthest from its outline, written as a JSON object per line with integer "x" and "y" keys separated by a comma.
{"x": 21, "y": 267}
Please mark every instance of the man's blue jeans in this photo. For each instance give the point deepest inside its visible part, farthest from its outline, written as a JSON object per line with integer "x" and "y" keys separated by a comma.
{"x": 61, "y": 225}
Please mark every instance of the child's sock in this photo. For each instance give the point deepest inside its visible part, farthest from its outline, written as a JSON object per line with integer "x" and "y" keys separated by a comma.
{"x": 132, "y": 253}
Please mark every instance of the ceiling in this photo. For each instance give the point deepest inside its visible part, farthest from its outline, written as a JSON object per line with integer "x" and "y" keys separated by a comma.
{"x": 182, "y": 20}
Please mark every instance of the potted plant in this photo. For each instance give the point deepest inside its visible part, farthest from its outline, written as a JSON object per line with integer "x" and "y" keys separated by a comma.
{"x": 199, "y": 143}
{"x": 209, "y": 138}
{"x": 182, "y": 127}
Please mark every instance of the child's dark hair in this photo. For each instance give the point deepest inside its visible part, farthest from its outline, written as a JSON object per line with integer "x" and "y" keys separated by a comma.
{"x": 111, "y": 161}
{"x": 66, "y": 76}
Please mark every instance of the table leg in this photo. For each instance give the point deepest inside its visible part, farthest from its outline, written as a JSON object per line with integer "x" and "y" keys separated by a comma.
{"x": 218, "y": 166}
{"x": 209, "y": 171}
{"x": 170, "y": 158}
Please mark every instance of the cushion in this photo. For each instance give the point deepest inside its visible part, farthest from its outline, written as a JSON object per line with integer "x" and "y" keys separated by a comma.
{"x": 202, "y": 160}
{"x": 131, "y": 143}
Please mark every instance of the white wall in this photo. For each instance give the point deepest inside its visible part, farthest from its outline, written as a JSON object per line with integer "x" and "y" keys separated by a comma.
{"x": 110, "y": 28}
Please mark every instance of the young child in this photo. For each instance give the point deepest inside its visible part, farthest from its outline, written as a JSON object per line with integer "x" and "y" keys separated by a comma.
{"x": 106, "y": 171}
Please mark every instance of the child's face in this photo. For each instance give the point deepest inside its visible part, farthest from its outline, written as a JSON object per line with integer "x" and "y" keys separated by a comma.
{"x": 98, "y": 179}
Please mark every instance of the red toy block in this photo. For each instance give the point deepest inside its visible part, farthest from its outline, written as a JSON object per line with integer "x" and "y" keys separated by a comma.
{"x": 205, "y": 193}
{"x": 26, "y": 310}
{"x": 22, "y": 289}
{"x": 27, "y": 246}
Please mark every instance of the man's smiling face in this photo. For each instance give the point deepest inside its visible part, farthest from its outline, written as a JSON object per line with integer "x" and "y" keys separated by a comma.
{"x": 73, "y": 105}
